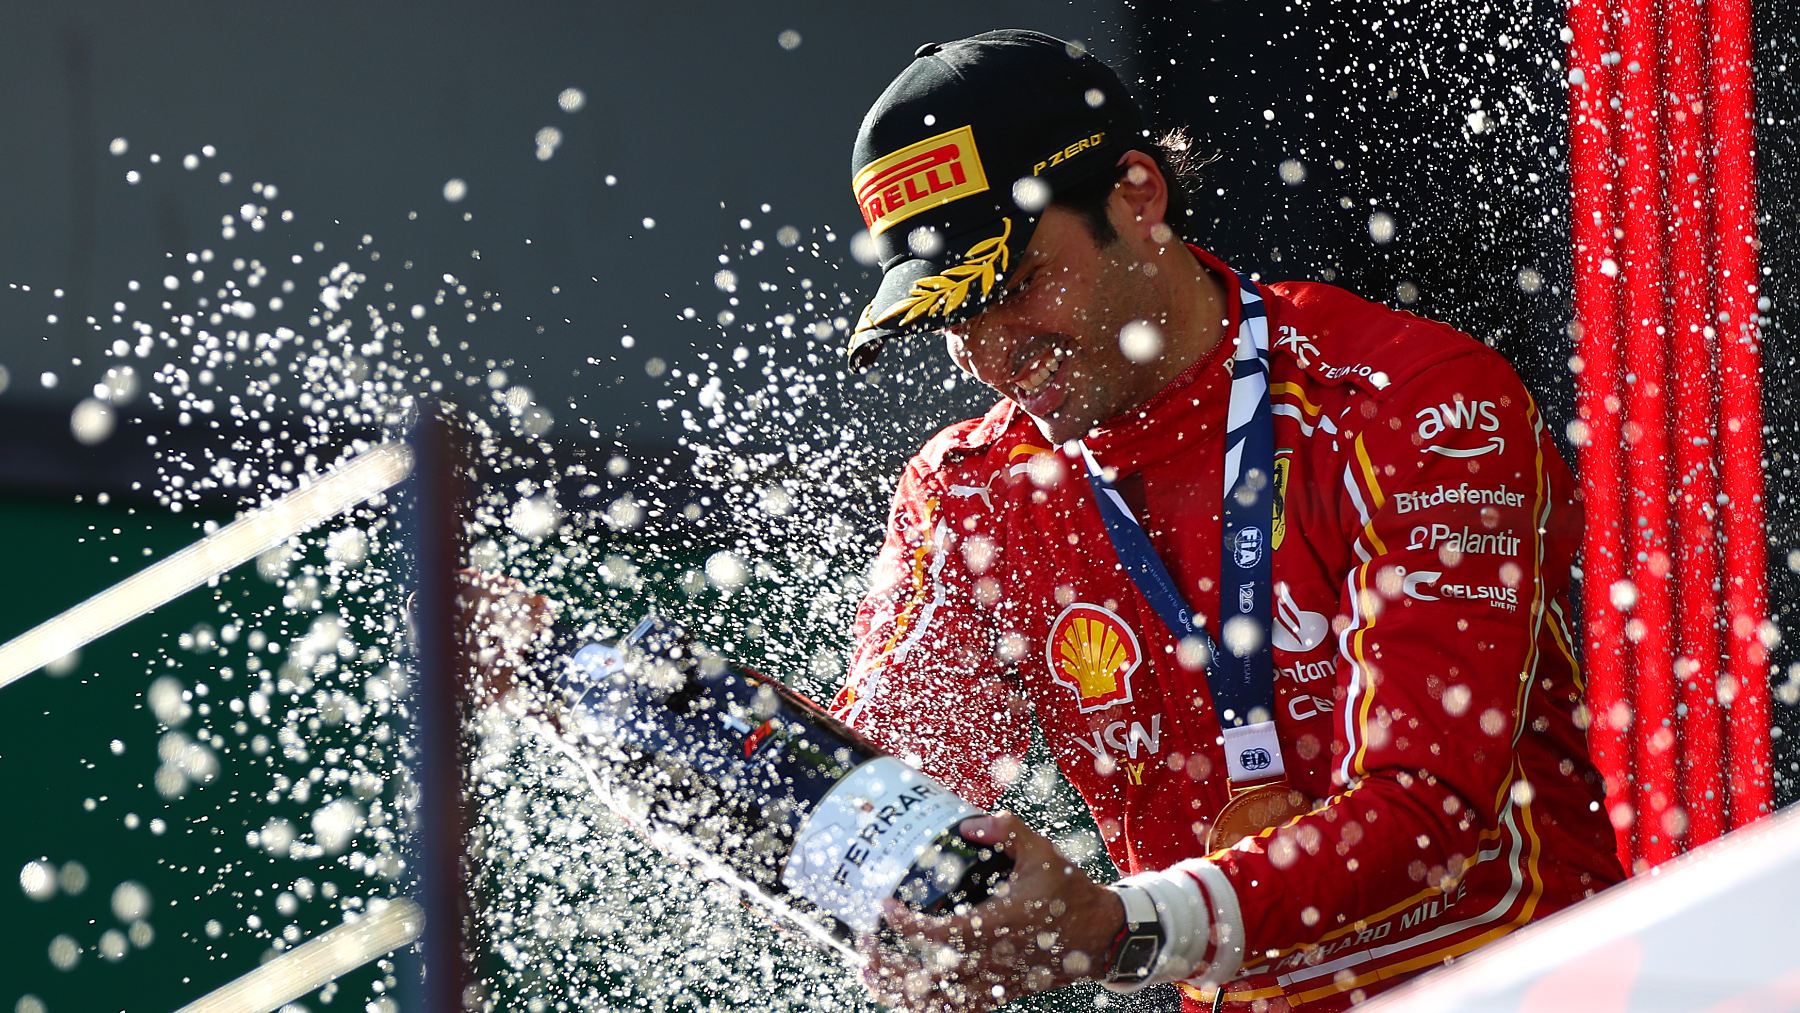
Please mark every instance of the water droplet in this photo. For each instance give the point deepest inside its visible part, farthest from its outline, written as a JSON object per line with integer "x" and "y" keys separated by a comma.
{"x": 38, "y": 880}
{"x": 91, "y": 421}
{"x": 1140, "y": 341}
{"x": 726, "y": 571}
{"x": 1031, "y": 194}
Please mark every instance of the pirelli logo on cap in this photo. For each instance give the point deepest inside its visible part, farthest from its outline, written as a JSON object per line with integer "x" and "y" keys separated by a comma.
{"x": 919, "y": 177}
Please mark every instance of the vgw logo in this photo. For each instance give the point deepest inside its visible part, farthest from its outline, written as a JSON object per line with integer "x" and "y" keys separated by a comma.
{"x": 1256, "y": 759}
{"x": 1459, "y": 414}
{"x": 1126, "y": 738}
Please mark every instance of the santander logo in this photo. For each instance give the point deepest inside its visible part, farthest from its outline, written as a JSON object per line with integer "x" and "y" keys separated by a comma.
{"x": 1297, "y": 630}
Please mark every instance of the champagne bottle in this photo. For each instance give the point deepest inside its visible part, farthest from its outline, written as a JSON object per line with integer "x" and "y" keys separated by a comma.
{"x": 743, "y": 774}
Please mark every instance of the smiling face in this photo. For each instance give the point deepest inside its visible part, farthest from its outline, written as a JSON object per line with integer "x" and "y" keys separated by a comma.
{"x": 1052, "y": 341}
{"x": 1057, "y": 340}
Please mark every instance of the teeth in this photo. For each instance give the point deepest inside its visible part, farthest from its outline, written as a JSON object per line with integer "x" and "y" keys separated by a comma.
{"x": 1040, "y": 376}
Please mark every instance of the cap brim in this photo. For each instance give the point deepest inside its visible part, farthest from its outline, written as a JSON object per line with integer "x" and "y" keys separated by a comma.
{"x": 889, "y": 315}
{"x": 896, "y": 286}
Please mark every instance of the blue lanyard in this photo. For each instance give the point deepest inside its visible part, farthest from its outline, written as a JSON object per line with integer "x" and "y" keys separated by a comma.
{"x": 1240, "y": 666}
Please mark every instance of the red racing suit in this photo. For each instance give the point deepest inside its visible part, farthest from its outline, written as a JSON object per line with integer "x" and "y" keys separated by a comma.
{"x": 1427, "y": 694}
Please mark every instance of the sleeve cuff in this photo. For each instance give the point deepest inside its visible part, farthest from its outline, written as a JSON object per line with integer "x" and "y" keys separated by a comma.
{"x": 1203, "y": 928}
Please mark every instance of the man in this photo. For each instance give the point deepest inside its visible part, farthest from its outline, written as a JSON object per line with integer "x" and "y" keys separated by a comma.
{"x": 1281, "y": 573}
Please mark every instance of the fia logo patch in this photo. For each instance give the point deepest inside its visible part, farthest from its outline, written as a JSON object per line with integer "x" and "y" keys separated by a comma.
{"x": 1247, "y": 544}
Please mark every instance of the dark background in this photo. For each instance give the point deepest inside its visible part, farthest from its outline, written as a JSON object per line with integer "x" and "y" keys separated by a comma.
{"x": 1446, "y": 118}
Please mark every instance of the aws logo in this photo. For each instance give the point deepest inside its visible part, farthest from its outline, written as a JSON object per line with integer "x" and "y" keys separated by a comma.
{"x": 1458, "y": 414}
{"x": 1094, "y": 653}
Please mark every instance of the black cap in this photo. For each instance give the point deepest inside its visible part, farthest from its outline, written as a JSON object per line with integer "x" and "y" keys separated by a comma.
{"x": 959, "y": 155}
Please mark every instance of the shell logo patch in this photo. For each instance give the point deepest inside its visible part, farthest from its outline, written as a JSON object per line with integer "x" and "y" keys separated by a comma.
{"x": 1094, "y": 653}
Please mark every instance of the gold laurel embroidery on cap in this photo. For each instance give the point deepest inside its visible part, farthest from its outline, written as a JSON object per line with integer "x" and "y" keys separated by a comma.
{"x": 941, "y": 294}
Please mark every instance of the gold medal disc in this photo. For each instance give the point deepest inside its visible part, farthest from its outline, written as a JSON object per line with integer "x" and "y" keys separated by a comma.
{"x": 1253, "y": 810}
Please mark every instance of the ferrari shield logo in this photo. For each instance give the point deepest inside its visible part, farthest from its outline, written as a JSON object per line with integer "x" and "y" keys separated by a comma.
{"x": 1278, "y": 530}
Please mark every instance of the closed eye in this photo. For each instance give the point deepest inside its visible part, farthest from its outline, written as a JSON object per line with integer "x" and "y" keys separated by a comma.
{"x": 1013, "y": 291}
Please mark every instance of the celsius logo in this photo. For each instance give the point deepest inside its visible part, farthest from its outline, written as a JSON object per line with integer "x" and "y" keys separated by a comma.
{"x": 1093, "y": 652}
{"x": 1420, "y": 585}
{"x": 1414, "y": 584}
{"x": 1248, "y": 546}
{"x": 1296, "y": 630}
{"x": 1255, "y": 759}
{"x": 1305, "y": 705}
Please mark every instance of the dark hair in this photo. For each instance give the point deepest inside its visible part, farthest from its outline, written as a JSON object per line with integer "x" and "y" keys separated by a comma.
{"x": 1180, "y": 165}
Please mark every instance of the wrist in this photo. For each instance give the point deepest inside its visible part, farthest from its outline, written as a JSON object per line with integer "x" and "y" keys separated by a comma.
{"x": 1136, "y": 952}
{"x": 1108, "y": 932}
{"x": 1201, "y": 925}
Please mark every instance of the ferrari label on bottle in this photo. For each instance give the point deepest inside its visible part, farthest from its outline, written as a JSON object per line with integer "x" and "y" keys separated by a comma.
{"x": 864, "y": 836}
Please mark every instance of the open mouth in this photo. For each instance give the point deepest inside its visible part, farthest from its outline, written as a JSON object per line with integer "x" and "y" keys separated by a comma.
{"x": 1038, "y": 376}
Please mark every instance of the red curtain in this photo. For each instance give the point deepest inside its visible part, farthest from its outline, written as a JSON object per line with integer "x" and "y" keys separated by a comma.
{"x": 1669, "y": 417}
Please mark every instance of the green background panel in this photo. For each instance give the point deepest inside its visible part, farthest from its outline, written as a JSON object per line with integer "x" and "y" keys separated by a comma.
{"x": 78, "y": 754}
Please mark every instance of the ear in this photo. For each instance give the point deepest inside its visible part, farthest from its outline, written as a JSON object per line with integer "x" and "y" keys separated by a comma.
{"x": 1141, "y": 200}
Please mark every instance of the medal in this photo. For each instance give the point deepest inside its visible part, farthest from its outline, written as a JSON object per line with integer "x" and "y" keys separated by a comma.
{"x": 1253, "y": 810}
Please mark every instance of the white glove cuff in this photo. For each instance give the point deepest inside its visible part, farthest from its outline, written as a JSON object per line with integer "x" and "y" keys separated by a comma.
{"x": 1203, "y": 928}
